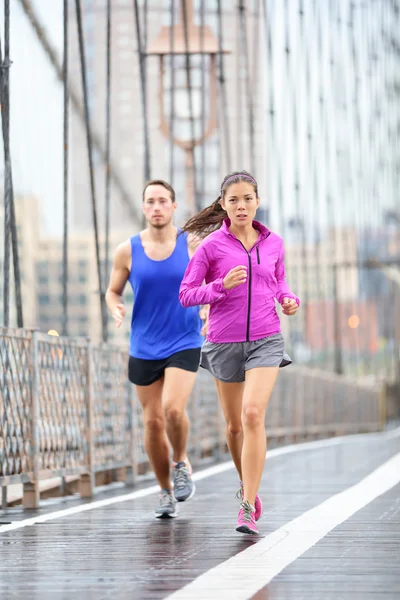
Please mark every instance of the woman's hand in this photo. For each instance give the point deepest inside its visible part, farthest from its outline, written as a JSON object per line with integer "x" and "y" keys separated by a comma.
{"x": 289, "y": 306}
{"x": 235, "y": 277}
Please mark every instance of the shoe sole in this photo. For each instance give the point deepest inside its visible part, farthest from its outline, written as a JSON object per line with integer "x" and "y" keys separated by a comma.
{"x": 245, "y": 529}
{"x": 166, "y": 515}
{"x": 189, "y": 497}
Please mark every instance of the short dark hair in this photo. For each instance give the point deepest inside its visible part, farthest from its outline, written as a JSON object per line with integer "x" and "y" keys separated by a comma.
{"x": 166, "y": 185}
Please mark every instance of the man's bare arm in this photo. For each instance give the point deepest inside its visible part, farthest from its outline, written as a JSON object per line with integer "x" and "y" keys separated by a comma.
{"x": 118, "y": 278}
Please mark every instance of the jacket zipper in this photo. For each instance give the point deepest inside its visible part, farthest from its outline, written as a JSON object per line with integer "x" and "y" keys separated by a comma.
{"x": 248, "y": 252}
{"x": 249, "y": 290}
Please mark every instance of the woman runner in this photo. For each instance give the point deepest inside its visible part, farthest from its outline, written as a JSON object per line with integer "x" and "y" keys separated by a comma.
{"x": 241, "y": 263}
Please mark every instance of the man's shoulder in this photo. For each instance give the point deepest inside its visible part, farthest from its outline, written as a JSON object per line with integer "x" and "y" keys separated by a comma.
{"x": 124, "y": 246}
{"x": 123, "y": 252}
{"x": 134, "y": 240}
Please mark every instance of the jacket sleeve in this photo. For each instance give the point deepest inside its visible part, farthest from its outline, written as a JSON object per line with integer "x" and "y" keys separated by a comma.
{"x": 192, "y": 291}
{"x": 283, "y": 290}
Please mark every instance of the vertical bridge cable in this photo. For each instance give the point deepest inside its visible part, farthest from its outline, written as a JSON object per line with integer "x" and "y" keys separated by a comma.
{"x": 172, "y": 110}
{"x": 250, "y": 108}
{"x": 191, "y": 112}
{"x": 10, "y": 228}
{"x": 145, "y": 27}
{"x": 65, "y": 154}
{"x": 142, "y": 69}
{"x": 223, "y": 97}
{"x": 107, "y": 149}
{"x": 91, "y": 170}
{"x": 203, "y": 106}
{"x": 256, "y": 48}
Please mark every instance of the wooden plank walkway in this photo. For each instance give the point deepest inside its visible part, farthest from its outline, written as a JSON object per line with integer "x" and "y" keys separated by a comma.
{"x": 120, "y": 551}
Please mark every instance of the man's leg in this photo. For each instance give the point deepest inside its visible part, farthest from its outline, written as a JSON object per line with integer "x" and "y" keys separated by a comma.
{"x": 178, "y": 385}
{"x": 155, "y": 437}
{"x": 157, "y": 446}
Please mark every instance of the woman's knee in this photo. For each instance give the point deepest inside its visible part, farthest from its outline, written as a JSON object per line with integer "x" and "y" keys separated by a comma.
{"x": 252, "y": 416}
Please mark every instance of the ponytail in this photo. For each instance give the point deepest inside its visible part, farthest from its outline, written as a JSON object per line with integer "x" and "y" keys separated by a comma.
{"x": 208, "y": 220}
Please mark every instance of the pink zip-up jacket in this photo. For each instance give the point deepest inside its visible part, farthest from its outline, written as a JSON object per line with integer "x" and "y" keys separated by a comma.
{"x": 246, "y": 312}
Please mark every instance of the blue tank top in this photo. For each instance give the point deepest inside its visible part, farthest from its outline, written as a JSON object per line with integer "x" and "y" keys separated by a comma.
{"x": 160, "y": 325}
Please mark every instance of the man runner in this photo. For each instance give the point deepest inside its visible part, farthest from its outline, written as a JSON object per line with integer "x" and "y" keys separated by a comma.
{"x": 165, "y": 339}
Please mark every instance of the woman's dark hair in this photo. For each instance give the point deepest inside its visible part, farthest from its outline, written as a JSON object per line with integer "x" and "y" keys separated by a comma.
{"x": 210, "y": 219}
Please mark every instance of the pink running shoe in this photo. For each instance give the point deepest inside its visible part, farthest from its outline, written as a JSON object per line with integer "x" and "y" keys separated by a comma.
{"x": 246, "y": 522}
{"x": 257, "y": 504}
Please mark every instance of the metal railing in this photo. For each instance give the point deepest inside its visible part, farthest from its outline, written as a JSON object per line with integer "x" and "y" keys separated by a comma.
{"x": 67, "y": 409}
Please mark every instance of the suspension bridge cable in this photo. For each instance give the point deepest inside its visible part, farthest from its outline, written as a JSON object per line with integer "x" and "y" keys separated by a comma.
{"x": 91, "y": 169}
{"x": 145, "y": 26}
{"x": 273, "y": 175}
{"x": 317, "y": 118}
{"x": 172, "y": 95}
{"x": 300, "y": 223}
{"x": 126, "y": 196}
{"x": 269, "y": 99}
{"x": 249, "y": 95}
{"x": 142, "y": 70}
{"x": 64, "y": 317}
{"x": 256, "y": 48}
{"x": 7, "y": 199}
{"x": 108, "y": 153}
{"x": 203, "y": 104}
{"x": 10, "y": 228}
{"x": 223, "y": 96}
{"x": 190, "y": 97}
{"x": 240, "y": 150}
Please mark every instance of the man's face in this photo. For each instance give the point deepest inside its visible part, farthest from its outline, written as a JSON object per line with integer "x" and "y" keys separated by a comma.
{"x": 158, "y": 207}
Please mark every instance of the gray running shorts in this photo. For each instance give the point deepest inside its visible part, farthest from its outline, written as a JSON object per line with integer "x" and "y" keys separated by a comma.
{"x": 229, "y": 362}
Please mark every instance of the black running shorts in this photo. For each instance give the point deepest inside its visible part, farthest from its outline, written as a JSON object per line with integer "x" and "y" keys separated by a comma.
{"x": 146, "y": 372}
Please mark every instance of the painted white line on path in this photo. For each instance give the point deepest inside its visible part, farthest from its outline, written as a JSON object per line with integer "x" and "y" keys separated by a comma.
{"x": 240, "y": 577}
{"x": 209, "y": 472}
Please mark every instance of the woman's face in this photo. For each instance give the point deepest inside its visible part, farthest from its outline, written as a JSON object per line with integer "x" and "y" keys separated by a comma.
{"x": 240, "y": 202}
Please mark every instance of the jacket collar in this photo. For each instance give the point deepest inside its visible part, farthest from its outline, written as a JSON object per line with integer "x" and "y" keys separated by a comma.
{"x": 264, "y": 232}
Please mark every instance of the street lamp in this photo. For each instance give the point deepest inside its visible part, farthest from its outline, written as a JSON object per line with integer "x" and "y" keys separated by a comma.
{"x": 180, "y": 41}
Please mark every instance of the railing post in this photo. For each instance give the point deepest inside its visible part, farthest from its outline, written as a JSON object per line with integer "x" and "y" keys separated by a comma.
{"x": 4, "y": 497}
{"x": 31, "y": 492}
{"x": 87, "y": 480}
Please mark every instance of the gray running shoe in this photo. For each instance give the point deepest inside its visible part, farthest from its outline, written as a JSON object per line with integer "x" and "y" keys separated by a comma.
{"x": 184, "y": 487}
{"x": 167, "y": 508}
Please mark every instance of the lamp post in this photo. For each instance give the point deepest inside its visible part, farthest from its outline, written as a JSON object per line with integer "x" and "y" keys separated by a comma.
{"x": 188, "y": 41}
